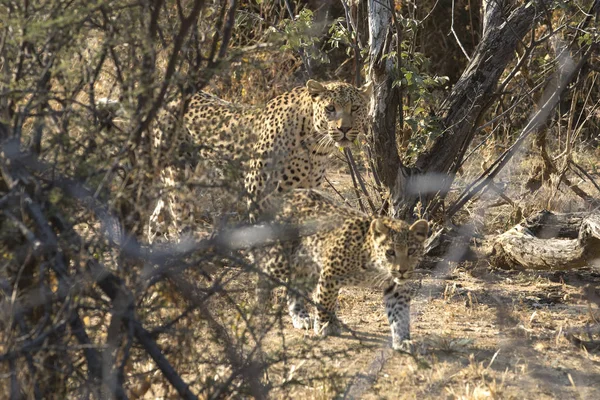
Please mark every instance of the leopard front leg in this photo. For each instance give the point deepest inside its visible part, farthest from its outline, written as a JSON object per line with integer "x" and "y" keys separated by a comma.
{"x": 302, "y": 284}
{"x": 397, "y": 308}
{"x": 274, "y": 270}
{"x": 166, "y": 218}
{"x": 253, "y": 184}
{"x": 326, "y": 322}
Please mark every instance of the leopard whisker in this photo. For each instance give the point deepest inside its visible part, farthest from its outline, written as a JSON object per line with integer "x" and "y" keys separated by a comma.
{"x": 386, "y": 277}
{"x": 324, "y": 142}
{"x": 320, "y": 142}
{"x": 321, "y": 146}
{"x": 378, "y": 279}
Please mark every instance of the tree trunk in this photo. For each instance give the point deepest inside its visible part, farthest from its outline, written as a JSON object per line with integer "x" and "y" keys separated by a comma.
{"x": 434, "y": 169}
{"x": 527, "y": 246}
{"x": 386, "y": 99}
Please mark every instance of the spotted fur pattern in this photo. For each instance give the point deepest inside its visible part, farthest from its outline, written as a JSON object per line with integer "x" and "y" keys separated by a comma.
{"x": 281, "y": 146}
{"x": 350, "y": 249}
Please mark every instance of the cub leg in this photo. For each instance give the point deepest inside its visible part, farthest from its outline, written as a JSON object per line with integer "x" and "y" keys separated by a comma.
{"x": 326, "y": 322}
{"x": 301, "y": 285}
{"x": 397, "y": 308}
{"x": 276, "y": 268}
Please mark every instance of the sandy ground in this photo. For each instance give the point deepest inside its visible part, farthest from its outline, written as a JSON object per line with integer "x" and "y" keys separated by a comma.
{"x": 480, "y": 334}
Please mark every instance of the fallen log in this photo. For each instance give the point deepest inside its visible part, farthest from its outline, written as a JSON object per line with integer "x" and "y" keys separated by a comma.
{"x": 547, "y": 225}
{"x": 549, "y": 241}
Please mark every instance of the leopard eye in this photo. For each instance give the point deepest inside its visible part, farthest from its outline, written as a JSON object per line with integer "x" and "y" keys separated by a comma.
{"x": 330, "y": 108}
{"x": 355, "y": 108}
{"x": 390, "y": 252}
{"x": 411, "y": 251}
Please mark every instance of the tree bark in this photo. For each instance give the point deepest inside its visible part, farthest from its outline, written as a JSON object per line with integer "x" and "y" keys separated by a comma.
{"x": 434, "y": 170}
{"x": 546, "y": 224}
{"x": 384, "y": 107}
{"x": 527, "y": 246}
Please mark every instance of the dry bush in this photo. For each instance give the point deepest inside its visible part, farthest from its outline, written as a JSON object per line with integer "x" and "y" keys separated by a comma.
{"x": 89, "y": 309}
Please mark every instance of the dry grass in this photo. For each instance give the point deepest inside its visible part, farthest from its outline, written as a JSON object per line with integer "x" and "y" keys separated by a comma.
{"x": 504, "y": 345}
{"x": 481, "y": 333}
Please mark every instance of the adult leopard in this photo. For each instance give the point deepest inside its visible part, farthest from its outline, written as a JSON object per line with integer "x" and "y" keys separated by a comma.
{"x": 281, "y": 146}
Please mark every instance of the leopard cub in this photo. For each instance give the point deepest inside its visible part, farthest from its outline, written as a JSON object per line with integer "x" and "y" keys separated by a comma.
{"x": 343, "y": 248}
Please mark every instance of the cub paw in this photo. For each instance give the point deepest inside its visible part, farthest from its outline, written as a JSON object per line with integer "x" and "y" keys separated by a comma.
{"x": 406, "y": 346}
{"x": 330, "y": 328}
{"x": 301, "y": 321}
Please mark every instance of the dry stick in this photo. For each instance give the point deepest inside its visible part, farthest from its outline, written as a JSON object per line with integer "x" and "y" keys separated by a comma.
{"x": 456, "y": 36}
{"x": 373, "y": 169}
{"x": 538, "y": 118}
{"x": 501, "y": 193}
{"x": 496, "y": 118}
{"x": 51, "y": 245}
{"x": 361, "y": 182}
{"x": 114, "y": 340}
{"x": 301, "y": 52}
{"x": 384, "y": 201}
{"x": 354, "y": 184}
{"x": 14, "y": 381}
{"x": 337, "y": 192}
{"x": 228, "y": 29}
{"x": 552, "y": 169}
{"x": 34, "y": 344}
{"x": 239, "y": 367}
{"x": 110, "y": 284}
{"x": 29, "y": 359}
{"x": 577, "y": 190}
{"x": 584, "y": 172}
{"x": 114, "y": 288}
{"x": 144, "y": 122}
{"x": 214, "y": 58}
{"x": 355, "y": 44}
{"x": 91, "y": 354}
{"x": 19, "y": 321}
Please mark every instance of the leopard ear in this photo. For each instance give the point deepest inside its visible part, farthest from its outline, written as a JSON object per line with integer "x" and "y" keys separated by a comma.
{"x": 379, "y": 227}
{"x": 315, "y": 88}
{"x": 367, "y": 90}
{"x": 420, "y": 229}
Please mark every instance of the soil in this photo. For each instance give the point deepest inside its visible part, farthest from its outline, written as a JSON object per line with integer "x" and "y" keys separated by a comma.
{"x": 478, "y": 334}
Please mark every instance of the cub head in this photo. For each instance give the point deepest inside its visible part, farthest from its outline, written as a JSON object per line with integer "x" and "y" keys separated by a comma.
{"x": 397, "y": 246}
{"x": 340, "y": 110}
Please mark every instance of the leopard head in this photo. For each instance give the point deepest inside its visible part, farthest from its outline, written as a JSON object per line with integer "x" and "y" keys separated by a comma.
{"x": 397, "y": 246}
{"x": 340, "y": 111}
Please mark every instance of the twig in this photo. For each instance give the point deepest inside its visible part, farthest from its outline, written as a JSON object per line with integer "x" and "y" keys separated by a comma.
{"x": 354, "y": 169}
{"x": 252, "y": 374}
{"x": 15, "y": 390}
{"x": 338, "y": 193}
{"x": 301, "y": 52}
{"x": 456, "y": 36}
{"x": 162, "y": 363}
{"x": 94, "y": 361}
{"x": 534, "y": 122}
{"x": 584, "y": 172}
{"x": 356, "y": 191}
{"x": 145, "y": 120}
{"x": 356, "y": 45}
{"x": 110, "y": 284}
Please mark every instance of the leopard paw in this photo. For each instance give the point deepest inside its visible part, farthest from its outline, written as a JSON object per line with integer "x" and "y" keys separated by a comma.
{"x": 330, "y": 328}
{"x": 406, "y": 346}
{"x": 302, "y": 321}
